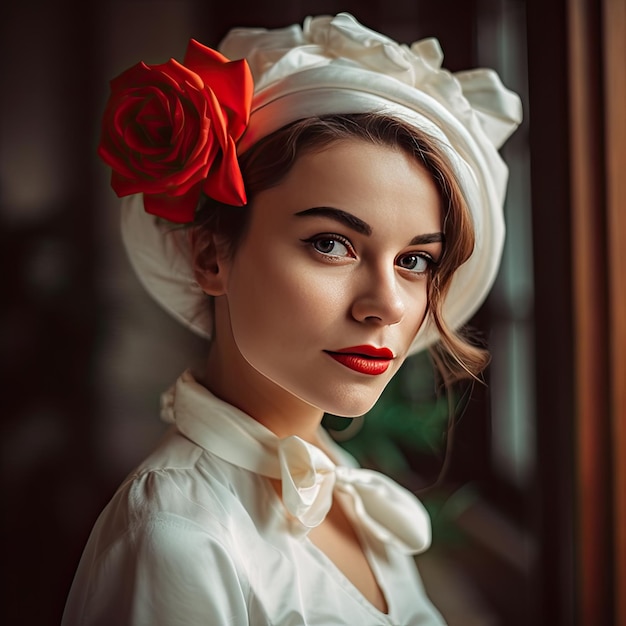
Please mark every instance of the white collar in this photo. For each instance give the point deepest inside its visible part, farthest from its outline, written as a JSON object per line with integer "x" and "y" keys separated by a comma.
{"x": 308, "y": 475}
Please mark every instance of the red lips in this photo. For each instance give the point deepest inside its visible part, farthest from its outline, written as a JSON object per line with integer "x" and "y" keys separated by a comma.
{"x": 364, "y": 359}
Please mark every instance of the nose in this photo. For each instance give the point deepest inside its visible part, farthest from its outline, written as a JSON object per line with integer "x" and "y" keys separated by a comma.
{"x": 379, "y": 299}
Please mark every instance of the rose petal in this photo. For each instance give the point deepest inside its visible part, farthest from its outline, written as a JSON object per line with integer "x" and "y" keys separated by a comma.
{"x": 178, "y": 209}
{"x": 231, "y": 81}
{"x": 224, "y": 182}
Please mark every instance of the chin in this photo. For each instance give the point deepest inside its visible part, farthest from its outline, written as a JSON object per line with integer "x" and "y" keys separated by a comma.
{"x": 353, "y": 404}
{"x": 352, "y": 412}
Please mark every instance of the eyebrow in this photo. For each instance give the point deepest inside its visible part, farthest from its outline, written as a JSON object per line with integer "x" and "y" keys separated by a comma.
{"x": 421, "y": 240}
{"x": 353, "y": 222}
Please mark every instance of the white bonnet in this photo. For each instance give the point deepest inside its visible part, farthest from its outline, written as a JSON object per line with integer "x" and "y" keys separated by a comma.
{"x": 334, "y": 65}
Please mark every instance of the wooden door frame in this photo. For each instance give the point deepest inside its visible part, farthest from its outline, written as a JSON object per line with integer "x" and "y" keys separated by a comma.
{"x": 614, "y": 49}
{"x": 597, "y": 82}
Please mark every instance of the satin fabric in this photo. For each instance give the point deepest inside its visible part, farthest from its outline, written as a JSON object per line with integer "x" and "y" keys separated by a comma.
{"x": 197, "y": 535}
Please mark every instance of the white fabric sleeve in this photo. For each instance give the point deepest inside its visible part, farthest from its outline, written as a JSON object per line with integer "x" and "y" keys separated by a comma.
{"x": 167, "y": 572}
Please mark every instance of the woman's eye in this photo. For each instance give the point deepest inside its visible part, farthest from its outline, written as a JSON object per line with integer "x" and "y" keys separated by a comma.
{"x": 417, "y": 263}
{"x": 330, "y": 246}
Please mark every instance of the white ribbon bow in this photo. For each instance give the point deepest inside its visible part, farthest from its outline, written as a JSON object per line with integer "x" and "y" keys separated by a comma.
{"x": 390, "y": 512}
{"x": 309, "y": 477}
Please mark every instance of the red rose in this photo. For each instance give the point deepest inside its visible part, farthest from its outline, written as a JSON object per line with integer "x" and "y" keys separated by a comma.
{"x": 169, "y": 131}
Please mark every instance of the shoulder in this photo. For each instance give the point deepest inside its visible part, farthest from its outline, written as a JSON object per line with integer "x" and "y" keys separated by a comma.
{"x": 168, "y": 533}
{"x": 162, "y": 568}
{"x": 181, "y": 486}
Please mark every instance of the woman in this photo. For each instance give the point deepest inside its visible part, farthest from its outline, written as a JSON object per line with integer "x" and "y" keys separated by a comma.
{"x": 343, "y": 207}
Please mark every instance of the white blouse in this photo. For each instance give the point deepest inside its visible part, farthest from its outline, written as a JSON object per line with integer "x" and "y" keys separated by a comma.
{"x": 198, "y": 536}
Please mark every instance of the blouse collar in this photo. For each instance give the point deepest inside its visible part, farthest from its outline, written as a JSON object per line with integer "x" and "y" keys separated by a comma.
{"x": 308, "y": 476}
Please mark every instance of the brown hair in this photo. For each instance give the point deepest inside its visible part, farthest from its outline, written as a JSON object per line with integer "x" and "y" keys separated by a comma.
{"x": 268, "y": 162}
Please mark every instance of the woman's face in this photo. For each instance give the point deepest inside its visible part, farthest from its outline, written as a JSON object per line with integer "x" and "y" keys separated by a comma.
{"x": 328, "y": 287}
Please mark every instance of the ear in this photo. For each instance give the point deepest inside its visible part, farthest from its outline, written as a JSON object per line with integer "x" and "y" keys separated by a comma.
{"x": 209, "y": 260}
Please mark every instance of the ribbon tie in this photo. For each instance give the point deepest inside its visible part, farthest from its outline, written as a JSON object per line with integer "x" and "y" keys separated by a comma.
{"x": 309, "y": 477}
{"x": 390, "y": 512}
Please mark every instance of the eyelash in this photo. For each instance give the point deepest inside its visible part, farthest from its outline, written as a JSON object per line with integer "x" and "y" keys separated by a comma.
{"x": 332, "y": 237}
{"x": 431, "y": 264}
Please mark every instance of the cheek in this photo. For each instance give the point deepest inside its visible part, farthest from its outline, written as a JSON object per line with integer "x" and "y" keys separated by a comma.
{"x": 418, "y": 305}
{"x": 424, "y": 308}
{"x": 274, "y": 305}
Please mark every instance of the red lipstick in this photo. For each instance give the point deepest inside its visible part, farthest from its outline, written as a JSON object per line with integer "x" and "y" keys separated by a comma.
{"x": 364, "y": 359}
